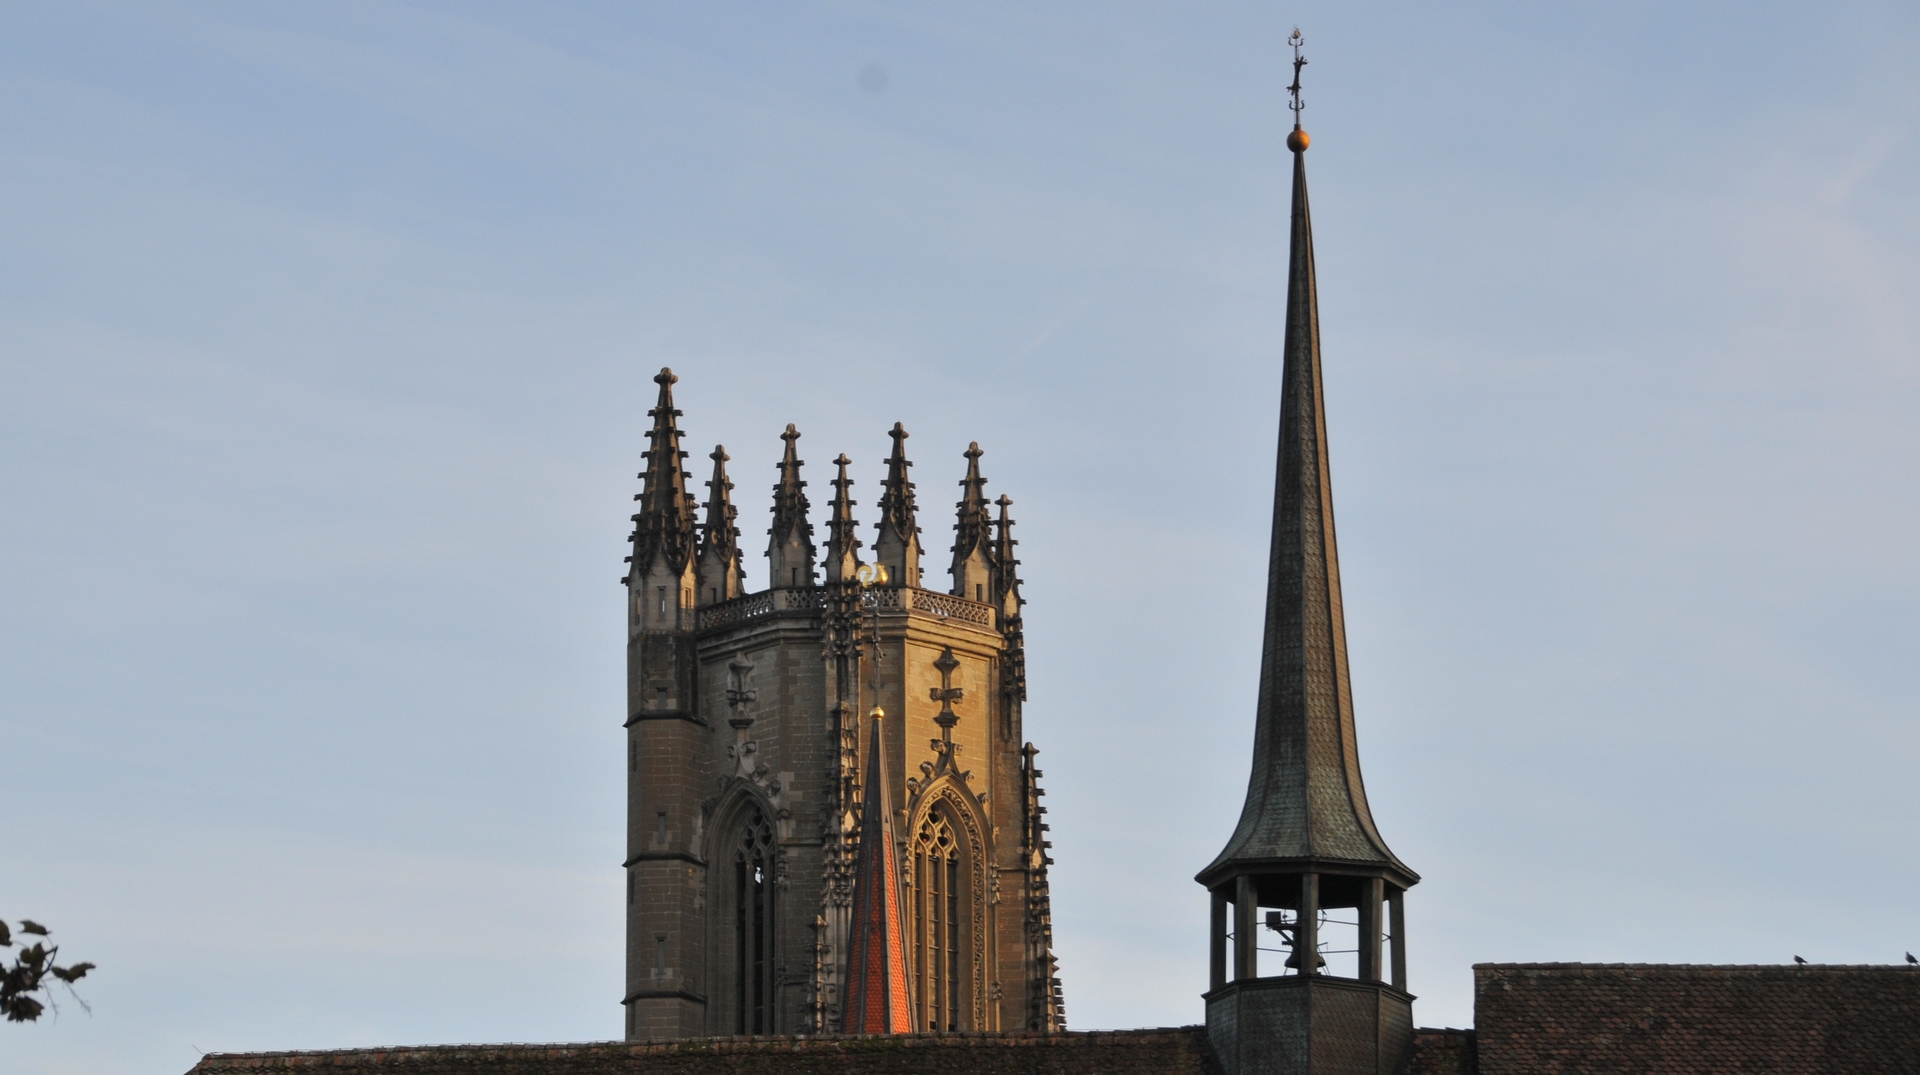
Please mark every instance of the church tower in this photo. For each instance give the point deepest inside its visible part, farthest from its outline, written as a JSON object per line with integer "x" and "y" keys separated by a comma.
{"x": 1297, "y": 986}
{"x": 790, "y": 871}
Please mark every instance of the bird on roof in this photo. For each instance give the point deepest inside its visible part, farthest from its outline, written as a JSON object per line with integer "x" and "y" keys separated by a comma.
{"x": 1800, "y": 961}
{"x": 1910, "y": 958}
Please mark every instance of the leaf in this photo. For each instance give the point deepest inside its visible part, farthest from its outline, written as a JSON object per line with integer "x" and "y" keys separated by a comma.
{"x": 72, "y": 974}
{"x": 22, "y": 1009}
{"x": 28, "y": 925}
{"x": 6, "y": 935}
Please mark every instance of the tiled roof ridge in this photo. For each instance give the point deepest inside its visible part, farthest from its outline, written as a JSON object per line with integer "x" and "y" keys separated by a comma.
{"x": 757, "y": 1043}
{"x": 1683, "y": 968}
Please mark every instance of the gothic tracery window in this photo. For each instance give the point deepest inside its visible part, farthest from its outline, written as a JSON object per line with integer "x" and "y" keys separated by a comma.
{"x": 753, "y": 924}
{"x": 940, "y": 899}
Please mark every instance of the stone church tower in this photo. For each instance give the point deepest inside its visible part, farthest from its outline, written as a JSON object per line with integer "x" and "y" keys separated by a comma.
{"x": 1303, "y": 988}
{"x": 753, "y": 779}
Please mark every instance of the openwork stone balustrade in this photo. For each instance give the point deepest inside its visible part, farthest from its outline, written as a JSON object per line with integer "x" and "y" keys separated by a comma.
{"x": 812, "y": 600}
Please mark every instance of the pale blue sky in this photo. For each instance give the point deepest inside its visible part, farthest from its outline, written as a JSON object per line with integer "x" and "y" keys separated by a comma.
{"x": 325, "y": 340}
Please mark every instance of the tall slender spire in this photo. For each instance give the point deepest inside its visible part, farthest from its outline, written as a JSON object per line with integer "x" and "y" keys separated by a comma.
{"x": 877, "y": 979}
{"x": 973, "y": 534}
{"x": 1305, "y": 799}
{"x": 897, "y": 548}
{"x": 843, "y": 543}
{"x": 665, "y": 523}
{"x": 1306, "y": 841}
{"x": 790, "y": 548}
{"x": 720, "y": 569}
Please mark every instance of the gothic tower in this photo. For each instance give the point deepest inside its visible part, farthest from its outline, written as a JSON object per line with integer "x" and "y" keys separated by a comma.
{"x": 759, "y": 815}
{"x": 1306, "y": 850}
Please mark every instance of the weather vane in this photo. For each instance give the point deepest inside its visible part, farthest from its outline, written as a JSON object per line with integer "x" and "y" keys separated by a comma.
{"x": 1297, "y": 139}
{"x": 1299, "y": 61}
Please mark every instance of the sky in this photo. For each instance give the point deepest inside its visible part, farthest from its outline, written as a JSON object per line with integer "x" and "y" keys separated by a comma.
{"x": 327, "y": 332}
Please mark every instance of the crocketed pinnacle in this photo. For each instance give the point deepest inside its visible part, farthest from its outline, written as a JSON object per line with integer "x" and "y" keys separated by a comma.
{"x": 789, "y": 496}
{"x": 876, "y": 995}
{"x": 1006, "y": 569}
{"x": 897, "y": 546}
{"x": 1006, "y": 592}
{"x": 665, "y": 523}
{"x": 720, "y": 568}
{"x": 719, "y": 534}
{"x": 973, "y": 525}
{"x": 790, "y": 548}
{"x": 843, "y": 543}
{"x": 1305, "y": 800}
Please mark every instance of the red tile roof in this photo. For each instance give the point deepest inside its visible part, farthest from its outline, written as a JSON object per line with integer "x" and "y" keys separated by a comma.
{"x": 1176, "y": 1051}
{"x": 1553, "y": 1018}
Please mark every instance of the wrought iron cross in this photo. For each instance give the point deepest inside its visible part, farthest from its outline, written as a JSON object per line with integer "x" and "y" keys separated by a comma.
{"x": 1299, "y": 61}
{"x": 946, "y": 694}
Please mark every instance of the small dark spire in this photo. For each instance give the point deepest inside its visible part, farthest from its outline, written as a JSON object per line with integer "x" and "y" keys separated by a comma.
{"x": 897, "y": 548}
{"x": 665, "y": 524}
{"x": 843, "y": 543}
{"x": 973, "y": 533}
{"x": 790, "y": 549}
{"x": 876, "y": 994}
{"x": 720, "y": 568}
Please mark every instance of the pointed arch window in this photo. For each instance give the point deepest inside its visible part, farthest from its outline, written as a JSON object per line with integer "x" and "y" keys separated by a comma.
{"x": 753, "y": 920}
{"x": 941, "y": 899}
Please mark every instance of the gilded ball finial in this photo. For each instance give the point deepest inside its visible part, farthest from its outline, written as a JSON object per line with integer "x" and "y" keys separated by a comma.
{"x": 1297, "y": 140}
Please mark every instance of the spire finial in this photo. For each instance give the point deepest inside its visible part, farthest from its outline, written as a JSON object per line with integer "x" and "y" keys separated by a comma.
{"x": 1297, "y": 140}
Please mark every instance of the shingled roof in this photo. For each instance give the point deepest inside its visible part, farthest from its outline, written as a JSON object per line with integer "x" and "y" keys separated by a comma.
{"x": 1553, "y": 1018}
{"x": 1176, "y": 1051}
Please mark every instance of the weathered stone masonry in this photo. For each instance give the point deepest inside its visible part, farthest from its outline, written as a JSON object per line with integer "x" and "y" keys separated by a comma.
{"x": 745, "y": 714}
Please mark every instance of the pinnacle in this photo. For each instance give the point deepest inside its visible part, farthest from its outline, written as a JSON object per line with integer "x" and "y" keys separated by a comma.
{"x": 972, "y": 528}
{"x": 896, "y": 502}
{"x": 790, "y": 547}
{"x": 842, "y": 539}
{"x": 720, "y": 510}
{"x": 665, "y": 522}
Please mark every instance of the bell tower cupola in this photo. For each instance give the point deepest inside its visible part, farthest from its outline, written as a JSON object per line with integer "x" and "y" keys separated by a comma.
{"x": 1306, "y": 894}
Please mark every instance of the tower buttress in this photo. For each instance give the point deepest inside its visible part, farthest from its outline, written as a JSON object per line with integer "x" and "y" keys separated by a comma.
{"x": 897, "y": 548}
{"x": 720, "y": 572}
{"x": 790, "y": 551}
{"x": 664, "y": 730}
{"x": 973, "y": 534}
